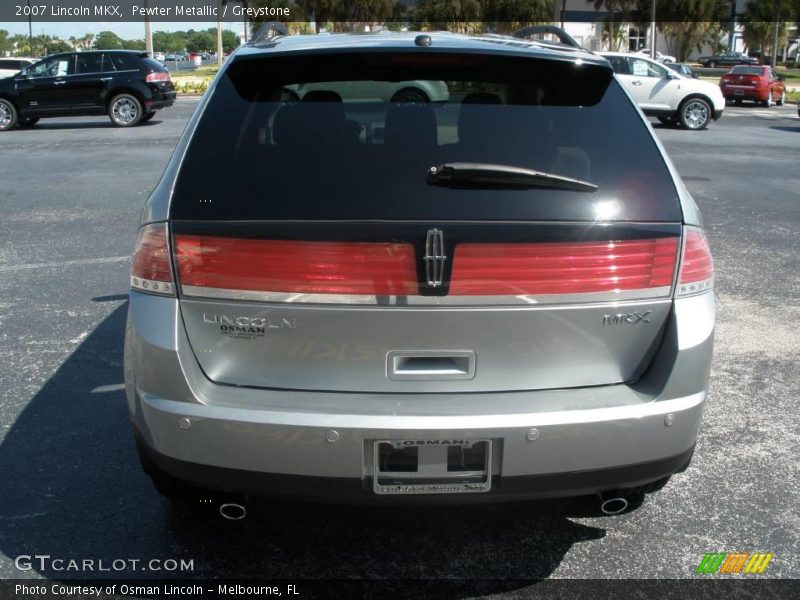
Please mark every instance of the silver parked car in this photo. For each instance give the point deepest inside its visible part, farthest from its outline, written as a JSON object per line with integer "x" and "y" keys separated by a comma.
{"x": 487, "y": 299}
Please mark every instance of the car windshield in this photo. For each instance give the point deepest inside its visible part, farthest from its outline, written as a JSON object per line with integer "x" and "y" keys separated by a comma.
{"x": 353, "y": 136}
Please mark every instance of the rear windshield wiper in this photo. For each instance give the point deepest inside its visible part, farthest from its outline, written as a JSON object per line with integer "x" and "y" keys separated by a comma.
{"x": 488, "y": 175}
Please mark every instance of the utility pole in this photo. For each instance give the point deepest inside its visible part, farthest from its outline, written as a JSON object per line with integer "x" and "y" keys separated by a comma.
{"x": 732, "y": 30}
{"x": 776, "y": 20}
{"x": 219, "y": 34}
{"x": 653, "y": 29}
{"x": 244, "y": 22}
{"x": 148, "y": 30}
{"x": 30, "y": 29}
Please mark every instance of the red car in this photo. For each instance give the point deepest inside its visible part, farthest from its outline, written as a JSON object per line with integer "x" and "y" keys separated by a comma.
{"x": 756, "y": 83}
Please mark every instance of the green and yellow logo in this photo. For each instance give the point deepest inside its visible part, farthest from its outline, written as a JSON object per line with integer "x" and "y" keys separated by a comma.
{"x": 753, "y": 563}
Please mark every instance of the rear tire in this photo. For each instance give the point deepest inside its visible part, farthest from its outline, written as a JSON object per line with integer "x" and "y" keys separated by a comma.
{"x": 768, "y": 102}
{"x": 695, "y": 113}
{"x": 711, "y": 64}
{"x": 779, "y": 101}
{"x": 125, "y": 110}
{"x": 8, "y": 115}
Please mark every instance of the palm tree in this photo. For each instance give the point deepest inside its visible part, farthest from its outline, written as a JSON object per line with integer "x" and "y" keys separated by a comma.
{"x": 612, "y": 30}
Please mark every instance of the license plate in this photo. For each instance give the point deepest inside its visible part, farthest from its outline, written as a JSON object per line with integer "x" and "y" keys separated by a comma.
{"x": 738, "y": 93}
{"x": 457, "y": 466}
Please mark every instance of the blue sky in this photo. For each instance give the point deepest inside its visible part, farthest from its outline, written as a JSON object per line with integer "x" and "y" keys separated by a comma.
{"x": 126, "y": 31}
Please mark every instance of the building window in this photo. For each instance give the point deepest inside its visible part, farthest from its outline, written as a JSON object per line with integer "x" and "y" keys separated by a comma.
{"x": 637, "y": 39}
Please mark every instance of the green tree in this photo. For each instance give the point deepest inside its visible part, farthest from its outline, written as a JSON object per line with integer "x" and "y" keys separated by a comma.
{"x": 689, "y": 24}
{"x": 6, "y": 46}
{"x": 618, "y": 13}
{"x": 54, "y": 45}
{"x": 320, "y": 11}
{"x": 453, "y": 15}
{"x": 230, "y": 41}
{"x": 201, "y": 41}
{"x": 509, "y": 15}
{"x": 164, "y": 41}
{"x": 21, "y": 45}
{"x": 108, "y": 40}
{"x": 134, "y": 45}
{"x": 759, "y": 27}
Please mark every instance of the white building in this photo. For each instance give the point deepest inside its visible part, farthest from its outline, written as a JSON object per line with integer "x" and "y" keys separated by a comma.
{"x": 587, "y": 25}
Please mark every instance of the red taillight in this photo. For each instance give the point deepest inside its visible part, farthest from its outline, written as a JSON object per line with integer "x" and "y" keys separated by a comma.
{"x": 563, "y": 268}
{"x": 697, "y": 267}
{"x": 296, "y": 267}
{"x": 157, "y": 77}
{"x": 150, "y": 267}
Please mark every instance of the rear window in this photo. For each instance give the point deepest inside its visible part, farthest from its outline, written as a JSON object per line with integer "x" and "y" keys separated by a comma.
{"x": 153, "y": 64}
{"x": 747, "y": 70}
{"x": 353, "y": 136}
{"x": 124, "y": 61}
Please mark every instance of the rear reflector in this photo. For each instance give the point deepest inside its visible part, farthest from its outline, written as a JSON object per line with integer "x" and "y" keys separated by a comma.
{"x": 292, "y": 266}
{"x": 697, "y": 267}
{"x": 150, "y": 267}
{"x": 157, "y": 76}
{"x": 563, "y": 268}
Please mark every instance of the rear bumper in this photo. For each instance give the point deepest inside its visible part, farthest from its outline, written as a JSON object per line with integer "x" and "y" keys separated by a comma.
{"x": 280, "y": 442}
{"x": 745, "y": 94}
{"x": 160, "y": 100}
{"x": 358, "y": 490}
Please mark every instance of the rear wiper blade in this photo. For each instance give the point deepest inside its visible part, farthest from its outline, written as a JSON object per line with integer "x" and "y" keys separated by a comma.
{"x": 488, "y": 175}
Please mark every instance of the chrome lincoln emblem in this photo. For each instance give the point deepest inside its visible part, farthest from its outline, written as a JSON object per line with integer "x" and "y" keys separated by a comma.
{"x": 434, "y": 257}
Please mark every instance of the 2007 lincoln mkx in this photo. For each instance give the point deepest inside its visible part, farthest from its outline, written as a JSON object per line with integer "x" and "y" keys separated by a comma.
{"x": 442, "y": 233}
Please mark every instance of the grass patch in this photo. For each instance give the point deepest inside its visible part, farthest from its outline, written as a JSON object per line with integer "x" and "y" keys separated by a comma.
{"x": 205, "y": 73}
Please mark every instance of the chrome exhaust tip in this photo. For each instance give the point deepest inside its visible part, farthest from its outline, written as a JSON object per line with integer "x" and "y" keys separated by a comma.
{"x": 232, "y": 511}
{"x": 612, "y": 504}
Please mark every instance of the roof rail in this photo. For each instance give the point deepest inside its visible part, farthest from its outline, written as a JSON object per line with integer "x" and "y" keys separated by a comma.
{"x": 563, "y": 36}
{"x": 268, "y": 31}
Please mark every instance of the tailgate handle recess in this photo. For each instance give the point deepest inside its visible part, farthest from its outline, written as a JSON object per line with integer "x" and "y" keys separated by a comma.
{"x": 430, "y": 365}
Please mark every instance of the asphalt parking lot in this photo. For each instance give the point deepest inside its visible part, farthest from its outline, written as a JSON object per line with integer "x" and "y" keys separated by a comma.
{"x": 72, "y": 191}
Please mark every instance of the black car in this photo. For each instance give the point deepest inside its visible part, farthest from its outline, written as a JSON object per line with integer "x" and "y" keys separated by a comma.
{"x": 127, "y": 85}
{"x": 728, "y": 59}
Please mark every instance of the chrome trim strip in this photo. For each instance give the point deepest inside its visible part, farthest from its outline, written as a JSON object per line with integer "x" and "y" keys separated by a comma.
{"x": 434, "y": 257}
{"x": 369, "y": 300}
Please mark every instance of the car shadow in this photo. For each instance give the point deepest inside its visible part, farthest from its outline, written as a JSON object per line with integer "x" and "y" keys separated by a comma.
{"x": 783, "y": 128}
{"x": 47, "y": 124}
{"x": 73, "y": 489}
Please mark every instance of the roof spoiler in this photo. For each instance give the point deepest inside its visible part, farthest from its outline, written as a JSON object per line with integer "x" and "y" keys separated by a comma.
{"x": 269, "y": 31}
{"x": 533, "y": 30}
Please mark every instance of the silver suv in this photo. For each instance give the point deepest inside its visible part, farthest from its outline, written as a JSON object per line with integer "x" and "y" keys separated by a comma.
{"x": 495, "y": 297}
